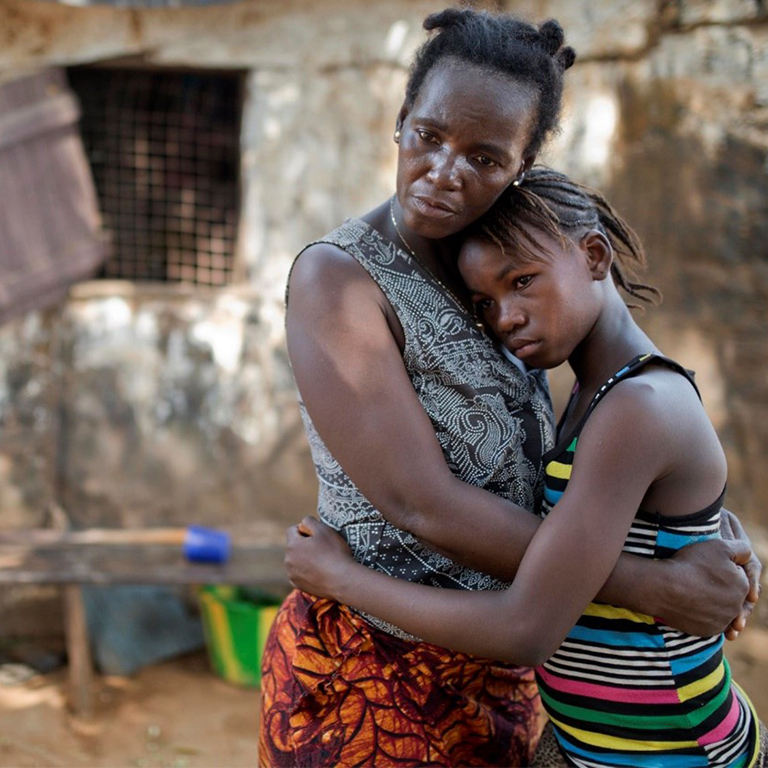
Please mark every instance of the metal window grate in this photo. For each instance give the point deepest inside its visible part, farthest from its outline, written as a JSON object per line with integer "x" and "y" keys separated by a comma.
{"x": 164, "y": 149}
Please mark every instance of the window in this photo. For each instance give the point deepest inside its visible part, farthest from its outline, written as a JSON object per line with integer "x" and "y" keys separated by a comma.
{"x": 164, "y": 151}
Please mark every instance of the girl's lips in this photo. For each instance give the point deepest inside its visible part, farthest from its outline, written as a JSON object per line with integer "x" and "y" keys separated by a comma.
{"x": 525, "y": 349}
{"x": 433, "y": 211}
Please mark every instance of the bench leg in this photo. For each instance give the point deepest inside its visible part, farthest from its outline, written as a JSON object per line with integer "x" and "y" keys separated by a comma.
{"x": 78, "y": 650}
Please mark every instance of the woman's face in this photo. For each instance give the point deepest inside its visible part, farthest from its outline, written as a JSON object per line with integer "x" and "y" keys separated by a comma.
{"x": 540, "y": 309}
{"x": 462, "y": 143}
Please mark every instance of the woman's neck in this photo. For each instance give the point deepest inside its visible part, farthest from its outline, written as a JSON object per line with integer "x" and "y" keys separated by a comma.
{"x": 437, "y": 257}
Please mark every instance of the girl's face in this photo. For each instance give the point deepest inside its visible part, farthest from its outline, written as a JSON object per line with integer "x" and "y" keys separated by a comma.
{"x": 541, "y": 310}
{"x": 462, "y": 143}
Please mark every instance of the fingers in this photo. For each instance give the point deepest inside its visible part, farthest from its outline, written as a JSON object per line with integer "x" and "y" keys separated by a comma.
{"x": 752, "y": 565}
{"x": 754, "y": 569}
{"x": 309, "y": 526}
{"x": 736, "y": 527}
{"x": 728, "y": 521}
{"x": 745, "y": 613}
{"x": 739, "y": 551}
{"x": 739, "y": 624}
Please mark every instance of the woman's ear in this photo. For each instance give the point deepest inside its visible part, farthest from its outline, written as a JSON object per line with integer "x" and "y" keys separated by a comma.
{"x": 599, "y": 252}
{"x": 401, "y": 115}
{"x": 528, "y": 161}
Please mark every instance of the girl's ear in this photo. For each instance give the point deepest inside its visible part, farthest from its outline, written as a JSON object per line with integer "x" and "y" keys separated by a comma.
{"x": 599, "y": 252}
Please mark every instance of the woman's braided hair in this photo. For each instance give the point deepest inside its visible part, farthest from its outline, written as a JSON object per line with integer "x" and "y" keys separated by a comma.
{"x": 499, "y": 43}
{"x": 549, "y": 202}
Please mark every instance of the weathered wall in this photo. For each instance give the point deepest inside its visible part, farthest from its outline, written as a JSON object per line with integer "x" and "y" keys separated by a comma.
{"x": 173, "y": 405}
{"x": 176, "y": 407}
{"x": 686, "y": 163}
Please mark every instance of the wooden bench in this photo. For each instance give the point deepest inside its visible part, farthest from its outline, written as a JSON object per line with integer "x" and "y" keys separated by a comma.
{"x": 109, "y": 557}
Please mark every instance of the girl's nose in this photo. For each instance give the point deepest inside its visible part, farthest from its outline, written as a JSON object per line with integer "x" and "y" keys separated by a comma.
{"x": 510, "y": 317}
{"x": 444, "y": 172}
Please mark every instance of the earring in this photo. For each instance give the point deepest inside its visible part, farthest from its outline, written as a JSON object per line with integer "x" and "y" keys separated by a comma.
{"x": 397, "y": 136}
{"x": 516, "y": 183}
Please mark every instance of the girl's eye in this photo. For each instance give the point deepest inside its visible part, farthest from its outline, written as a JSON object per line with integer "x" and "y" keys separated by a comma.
{"x": 486, "y": 161}
{"x": 523, "y": 280}
{"x": 483, "y": 304}
{"x": 427, "y": 136}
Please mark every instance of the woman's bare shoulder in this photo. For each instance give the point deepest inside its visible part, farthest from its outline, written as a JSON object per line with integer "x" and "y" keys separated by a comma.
{"x": 323, "y": 269}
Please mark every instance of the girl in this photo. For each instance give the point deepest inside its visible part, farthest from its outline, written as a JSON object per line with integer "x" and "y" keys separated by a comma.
{"x": 637, "y": 467}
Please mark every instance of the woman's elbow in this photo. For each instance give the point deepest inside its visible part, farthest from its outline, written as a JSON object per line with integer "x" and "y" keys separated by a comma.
{"x": 401, "y": 513}
{"x": 411, "y": 513}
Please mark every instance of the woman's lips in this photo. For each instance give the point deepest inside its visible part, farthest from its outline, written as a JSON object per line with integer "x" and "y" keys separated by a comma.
{"x": 432, "y": 208}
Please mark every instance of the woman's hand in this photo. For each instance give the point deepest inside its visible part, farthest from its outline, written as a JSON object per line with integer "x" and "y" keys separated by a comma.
{"x": 732, "y": 530}
{"x": 706, "y": 586}
{"x": 317, "y": 559}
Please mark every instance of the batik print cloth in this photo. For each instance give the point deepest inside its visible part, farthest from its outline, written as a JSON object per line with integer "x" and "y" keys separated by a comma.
{"x": 337, "y": 692}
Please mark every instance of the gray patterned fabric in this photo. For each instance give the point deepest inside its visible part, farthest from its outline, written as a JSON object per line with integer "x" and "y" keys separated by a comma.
{"x": 548, "y": 754}
{"x": 492, "y": 420}
{"x": 762, "y": 751}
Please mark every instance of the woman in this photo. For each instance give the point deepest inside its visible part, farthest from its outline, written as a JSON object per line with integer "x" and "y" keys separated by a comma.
{"x": 422, "y": 432}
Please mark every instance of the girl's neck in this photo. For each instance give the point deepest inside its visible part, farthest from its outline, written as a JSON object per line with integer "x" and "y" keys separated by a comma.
{"x": 614, "y": 340}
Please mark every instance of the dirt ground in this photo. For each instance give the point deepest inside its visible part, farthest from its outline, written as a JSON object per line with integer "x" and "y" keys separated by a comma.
{"x": 172, "y": 715}
{"x": 179, "y": 715}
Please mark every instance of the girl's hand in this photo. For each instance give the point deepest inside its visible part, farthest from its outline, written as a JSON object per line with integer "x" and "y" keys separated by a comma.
{"x": 317, "y": 559}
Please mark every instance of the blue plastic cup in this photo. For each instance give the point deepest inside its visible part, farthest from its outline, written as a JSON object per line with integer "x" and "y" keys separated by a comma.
{"x": 206, "y": 545}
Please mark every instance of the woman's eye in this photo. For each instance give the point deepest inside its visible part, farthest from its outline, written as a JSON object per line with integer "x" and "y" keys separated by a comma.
{"x": 523, "y": 280}
{"x": 483, "y": 304}
{"x": 427, "y": 136}
{"x": 486, "y": 161}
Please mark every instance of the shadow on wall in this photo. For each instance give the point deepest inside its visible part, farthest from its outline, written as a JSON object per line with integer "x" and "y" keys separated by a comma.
{"x": 702, "y": 212}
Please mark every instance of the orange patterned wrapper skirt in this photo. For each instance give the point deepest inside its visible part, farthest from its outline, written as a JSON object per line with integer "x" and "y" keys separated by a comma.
{"x": 338, "y": 692}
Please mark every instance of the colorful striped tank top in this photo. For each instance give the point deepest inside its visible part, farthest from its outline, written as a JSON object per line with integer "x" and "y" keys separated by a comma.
{"x": 624, "y": 689}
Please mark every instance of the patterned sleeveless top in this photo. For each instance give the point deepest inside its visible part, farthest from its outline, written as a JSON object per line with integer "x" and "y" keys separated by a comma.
{"x": 492, "y": 421}
{"x": 624, "y": 689}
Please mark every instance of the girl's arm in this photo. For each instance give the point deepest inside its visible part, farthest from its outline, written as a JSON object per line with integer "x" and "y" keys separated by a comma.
{"x": 343, "y": 345}
{"x": 569, "y": 558}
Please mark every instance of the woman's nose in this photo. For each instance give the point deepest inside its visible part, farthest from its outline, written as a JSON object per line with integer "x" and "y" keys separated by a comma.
{"x": 445, "y": 172}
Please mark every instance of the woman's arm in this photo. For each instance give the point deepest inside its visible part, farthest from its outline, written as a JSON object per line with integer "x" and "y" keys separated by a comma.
{"x": 348, "y": 366}
{"x": 342, "y": 342}
{"x": 568, "y": 559}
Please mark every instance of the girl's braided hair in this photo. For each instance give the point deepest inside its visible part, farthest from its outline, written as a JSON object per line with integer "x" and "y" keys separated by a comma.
{"x": 549, "y": 202}
{"x": 499, "y": 43}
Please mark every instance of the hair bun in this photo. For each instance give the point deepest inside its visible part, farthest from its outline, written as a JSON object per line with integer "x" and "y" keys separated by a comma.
{"x": 552, "y": 36}
{"x": 450, "y": 17}
{"x": 565, "y": 57}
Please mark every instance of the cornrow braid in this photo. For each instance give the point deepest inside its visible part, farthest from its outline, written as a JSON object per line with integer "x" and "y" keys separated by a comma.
{"x": 549, "y": 202}
{"x": 502, "y": 43}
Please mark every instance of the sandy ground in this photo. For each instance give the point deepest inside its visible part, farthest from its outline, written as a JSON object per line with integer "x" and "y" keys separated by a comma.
{"x": 179, "y": 715}
{"x": 173, "y": 715}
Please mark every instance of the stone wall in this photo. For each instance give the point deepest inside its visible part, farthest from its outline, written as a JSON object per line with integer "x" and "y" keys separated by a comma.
{"x": 148, "y": 404}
